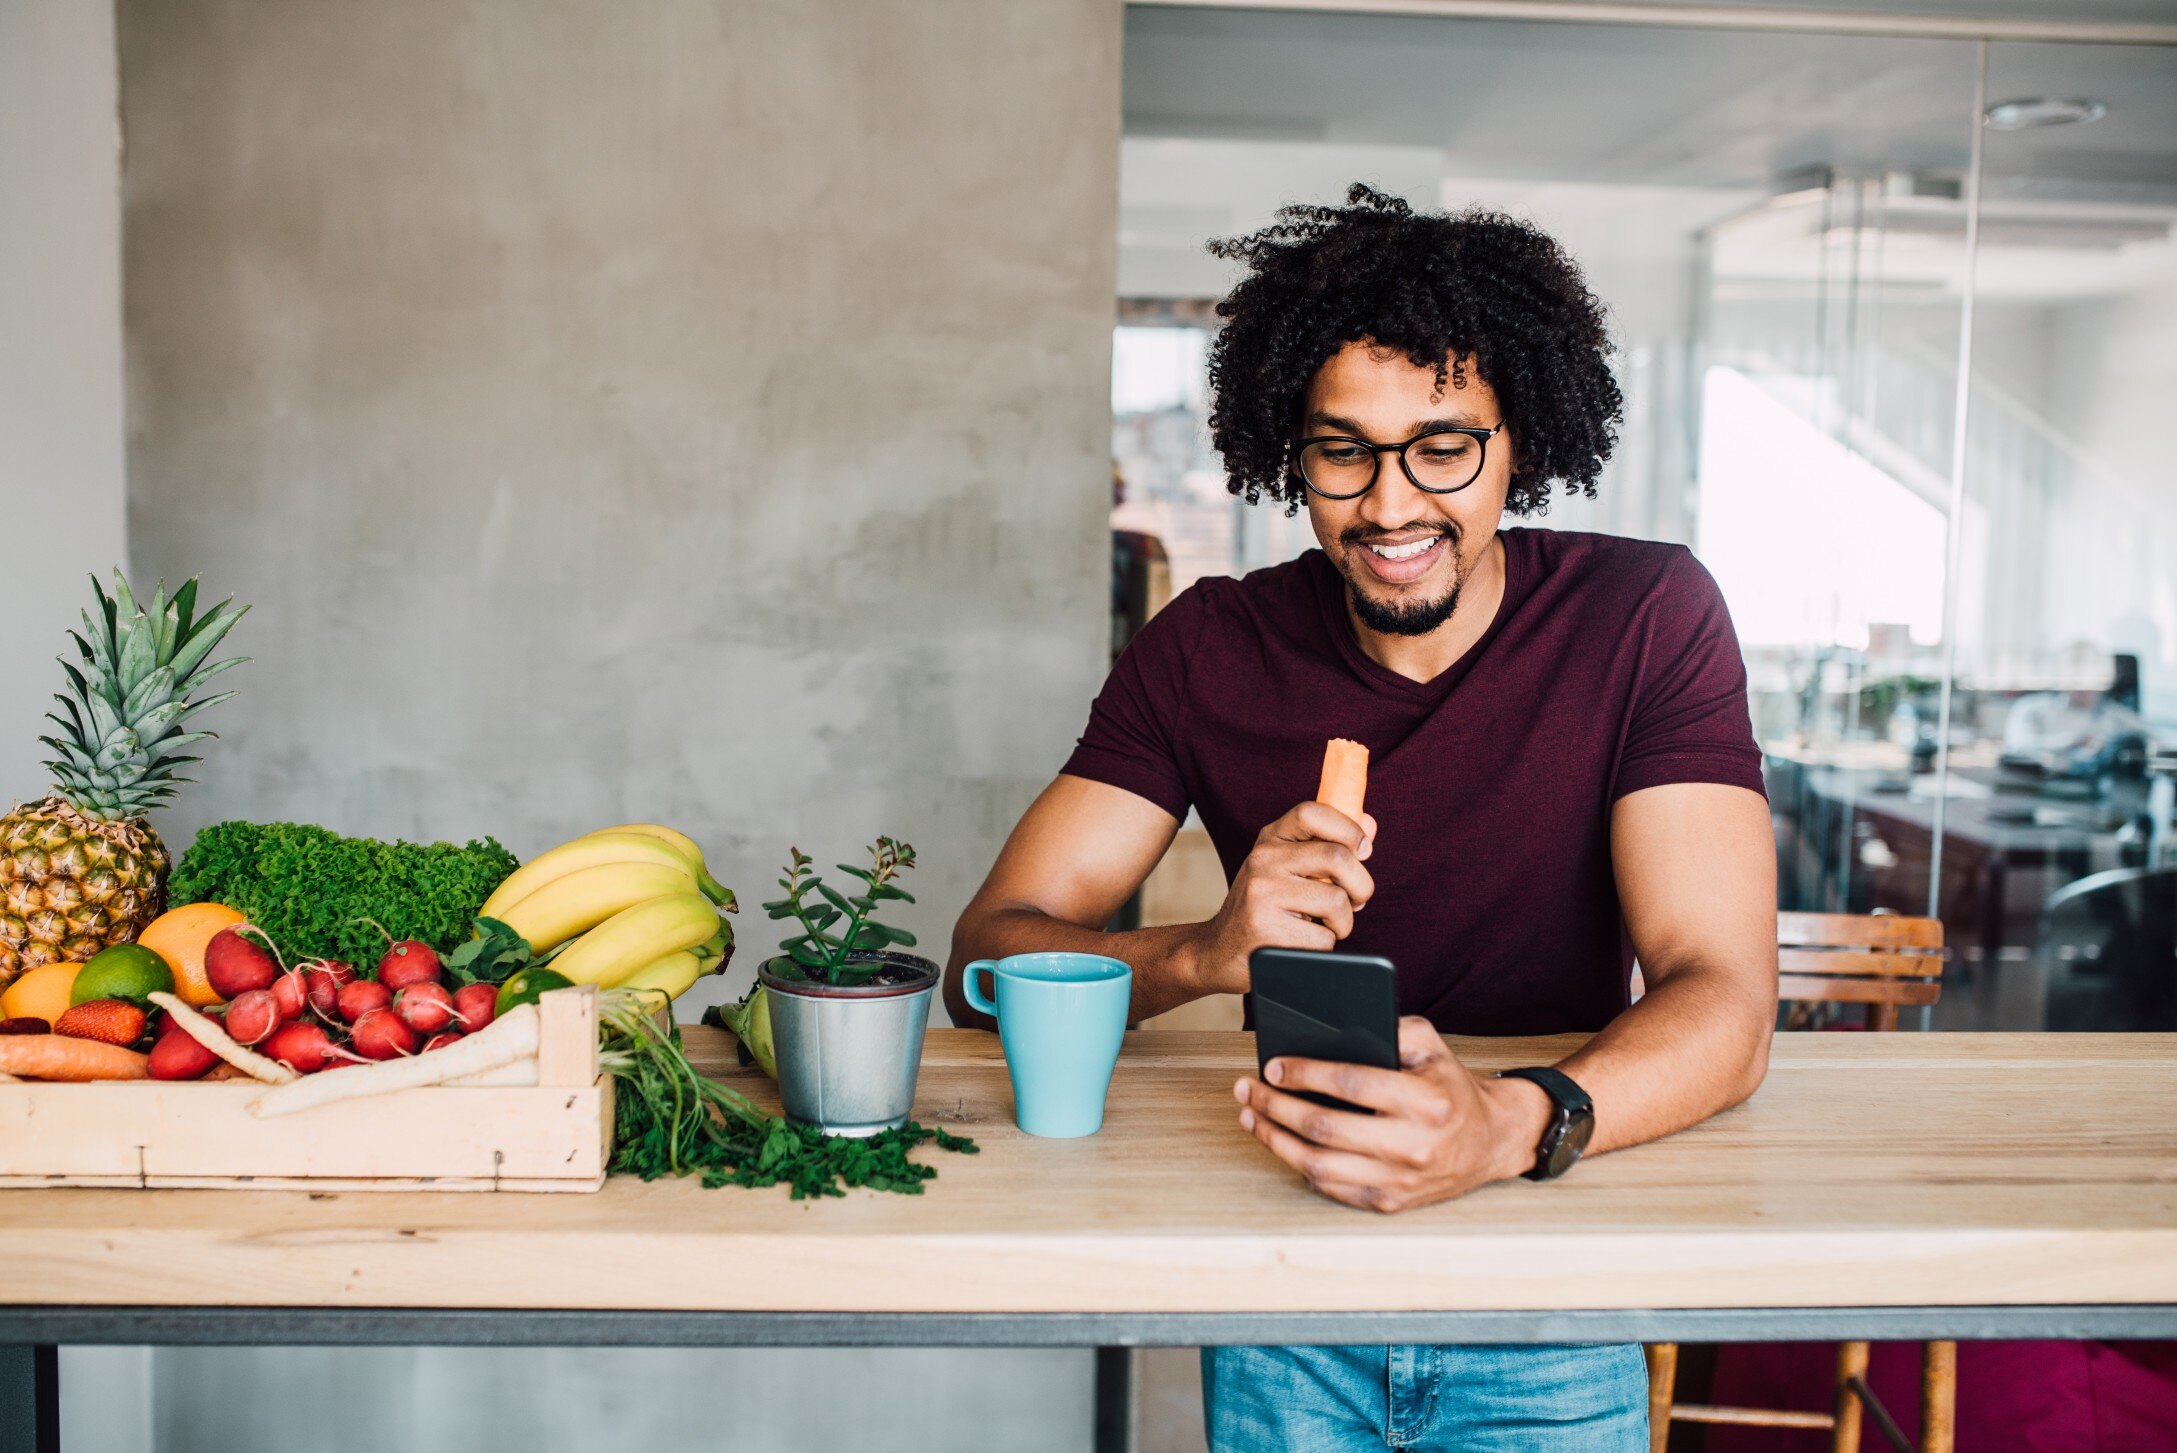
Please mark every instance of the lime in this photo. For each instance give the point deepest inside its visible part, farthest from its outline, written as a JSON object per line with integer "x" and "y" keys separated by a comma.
{"x": 524, "y": 987}
{"x": 126, "y": 971}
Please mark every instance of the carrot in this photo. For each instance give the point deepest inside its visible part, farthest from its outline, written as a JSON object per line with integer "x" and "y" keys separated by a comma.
{"x": 510, "y": 1038}
{"x": 1345, "y": 777}
{"x": 63, "y": 1057}
{"x": 219, "y": 1042}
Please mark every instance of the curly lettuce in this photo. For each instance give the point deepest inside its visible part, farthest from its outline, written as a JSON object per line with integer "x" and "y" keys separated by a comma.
{"x": 319, "y": 895}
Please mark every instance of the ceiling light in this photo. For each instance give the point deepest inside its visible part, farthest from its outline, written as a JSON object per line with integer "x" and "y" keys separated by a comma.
{"x": 2044, "y": 111}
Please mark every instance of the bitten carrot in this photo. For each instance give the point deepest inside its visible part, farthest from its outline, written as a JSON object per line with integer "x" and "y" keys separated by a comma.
{"x": 61, "y": 1057}
{"x": 1345, "y": 777}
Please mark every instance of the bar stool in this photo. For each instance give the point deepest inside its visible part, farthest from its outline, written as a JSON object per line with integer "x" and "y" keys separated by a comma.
{"x": 1878, "y": 961}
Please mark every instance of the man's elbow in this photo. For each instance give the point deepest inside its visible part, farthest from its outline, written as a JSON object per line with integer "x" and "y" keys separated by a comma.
{"x": 1754, "y": 1060}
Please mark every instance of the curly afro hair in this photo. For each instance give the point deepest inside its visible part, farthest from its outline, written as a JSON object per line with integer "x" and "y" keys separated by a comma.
{"x": 1475, "y": 288}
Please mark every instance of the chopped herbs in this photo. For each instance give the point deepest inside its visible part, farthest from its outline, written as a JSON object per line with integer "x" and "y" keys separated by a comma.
{"x": 669, "y": 1120}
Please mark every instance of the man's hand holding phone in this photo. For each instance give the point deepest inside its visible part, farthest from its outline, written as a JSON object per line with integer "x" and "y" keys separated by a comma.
{"x": 1439, "y": 1130}
{"x": 1299, "y": 888}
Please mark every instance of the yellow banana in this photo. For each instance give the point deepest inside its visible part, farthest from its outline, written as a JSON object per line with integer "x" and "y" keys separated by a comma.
{"x": 583, "y": 852}
{"x": 587, "y": 897}
{"x": 685, "y": 845}
{"x": 672, "y": 975}
{"x": 636, "y": 936}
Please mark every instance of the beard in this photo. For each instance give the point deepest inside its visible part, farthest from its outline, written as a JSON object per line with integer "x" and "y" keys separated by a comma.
{"x": 1402, "y": 617}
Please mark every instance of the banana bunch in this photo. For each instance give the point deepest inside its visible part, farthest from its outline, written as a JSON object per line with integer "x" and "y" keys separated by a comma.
{"x": 632, "y": 905}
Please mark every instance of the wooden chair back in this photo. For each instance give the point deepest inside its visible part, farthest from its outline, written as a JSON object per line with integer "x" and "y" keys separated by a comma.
{"x": 1878, "y": 960}
{"x": 1881, "y": 960}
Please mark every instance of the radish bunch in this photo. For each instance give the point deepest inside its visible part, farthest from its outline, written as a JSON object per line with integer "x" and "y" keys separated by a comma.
{"x": 320, "y": 1014}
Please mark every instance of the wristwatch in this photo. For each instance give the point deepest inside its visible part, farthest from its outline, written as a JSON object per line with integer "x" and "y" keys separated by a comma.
{"x": 1569, "y": 1129}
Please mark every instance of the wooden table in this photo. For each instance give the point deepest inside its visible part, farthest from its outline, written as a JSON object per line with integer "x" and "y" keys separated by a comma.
{"x": 1891, "y": 1186}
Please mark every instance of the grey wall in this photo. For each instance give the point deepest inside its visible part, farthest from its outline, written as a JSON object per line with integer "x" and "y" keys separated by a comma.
{"x": 656, "y": 409}
{"x": 691, "y": 412}
{"x": 60, "y": 351}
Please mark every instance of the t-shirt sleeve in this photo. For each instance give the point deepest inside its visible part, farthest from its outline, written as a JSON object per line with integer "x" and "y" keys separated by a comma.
{"x": 1133, "y": 739}
{"x": 1690, "y": 721}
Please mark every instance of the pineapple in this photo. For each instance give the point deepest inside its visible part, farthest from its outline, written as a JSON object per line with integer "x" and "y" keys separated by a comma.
{"x": 82, "y": 870}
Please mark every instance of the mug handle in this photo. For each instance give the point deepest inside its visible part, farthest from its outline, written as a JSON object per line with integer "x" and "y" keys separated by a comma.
{"x": 975, "y": 995}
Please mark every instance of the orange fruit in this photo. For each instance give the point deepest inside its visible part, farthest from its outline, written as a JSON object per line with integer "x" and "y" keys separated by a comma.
{"x": 179, "y": 936}
{"x": 41, "y": 993}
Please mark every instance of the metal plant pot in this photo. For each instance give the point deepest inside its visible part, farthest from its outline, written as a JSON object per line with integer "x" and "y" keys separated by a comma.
{"x": 848, "y": 1056}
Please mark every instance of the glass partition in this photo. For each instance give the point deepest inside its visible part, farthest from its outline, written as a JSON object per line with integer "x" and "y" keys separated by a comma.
{"x": 1779, "y": 224}
{"x": 2057, "y": 845}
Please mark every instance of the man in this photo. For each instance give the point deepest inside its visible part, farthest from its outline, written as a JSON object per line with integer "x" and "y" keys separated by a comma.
{"x": 1563, "y": 777}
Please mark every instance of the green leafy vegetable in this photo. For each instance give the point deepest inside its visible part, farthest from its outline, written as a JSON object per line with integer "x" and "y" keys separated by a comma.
{"x": 320, "y": 895}
{"x": 669, "y": 1120}
{"x": 496, "y": 954}
{"x": 821, "y": 956}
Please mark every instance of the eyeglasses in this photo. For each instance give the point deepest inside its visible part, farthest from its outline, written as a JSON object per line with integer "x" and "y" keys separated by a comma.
{"x": 1441, "y": 461}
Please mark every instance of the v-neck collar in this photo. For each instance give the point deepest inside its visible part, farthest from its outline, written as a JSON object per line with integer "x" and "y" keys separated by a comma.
{"x": 1331, "y": 598}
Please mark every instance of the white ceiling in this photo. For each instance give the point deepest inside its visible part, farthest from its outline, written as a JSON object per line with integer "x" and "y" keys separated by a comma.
{"x": 1632, "y": 104}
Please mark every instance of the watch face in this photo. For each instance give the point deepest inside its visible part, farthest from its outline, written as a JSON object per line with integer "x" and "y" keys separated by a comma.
{"x": 1579, "y": 1129}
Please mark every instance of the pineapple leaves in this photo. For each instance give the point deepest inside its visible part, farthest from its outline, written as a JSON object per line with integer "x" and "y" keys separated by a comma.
{"x": 120, "y": 742}
{"x": 184, "y": 610}
{"x": 106, "y": 611}
{"x": 155, "y": 690}
{"x": 204, "y": 638}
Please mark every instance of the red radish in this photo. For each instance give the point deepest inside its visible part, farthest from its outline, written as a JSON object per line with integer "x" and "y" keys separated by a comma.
{"x": 291, "y": 991}
{"x": 327, "y": 978}
{"x": 252, "y": 1017}
{"x": 408, "y": 962}
{"x": 425, "y": 1008}
{"x": 302, "y": 1047}
{"x": 440, "y": 1041}
{"x": 240, "y": 959}
{"x": 362, "y": 996}
{"x": 379, "y": 1034}
{"x": 476, "y": 1005}
{"x": 178, "y": 1056}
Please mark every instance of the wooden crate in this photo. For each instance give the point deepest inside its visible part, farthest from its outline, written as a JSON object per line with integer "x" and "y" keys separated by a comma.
{"x": 553, "y": 1136}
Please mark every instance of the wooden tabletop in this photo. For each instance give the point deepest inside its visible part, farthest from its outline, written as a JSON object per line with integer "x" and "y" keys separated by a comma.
{"x": 1871, "y": 1170}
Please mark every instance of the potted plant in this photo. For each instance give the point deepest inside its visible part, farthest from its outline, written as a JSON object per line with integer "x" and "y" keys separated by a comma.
{"x": 847, "y": 1009}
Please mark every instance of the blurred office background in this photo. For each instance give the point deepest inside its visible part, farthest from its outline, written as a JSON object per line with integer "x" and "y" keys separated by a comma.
{"x": 1788, "y": 229}
{"x": 778, "y": 409}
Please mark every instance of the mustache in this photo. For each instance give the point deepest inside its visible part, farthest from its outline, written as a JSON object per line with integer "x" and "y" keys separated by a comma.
{"x": 1366, "y": 534}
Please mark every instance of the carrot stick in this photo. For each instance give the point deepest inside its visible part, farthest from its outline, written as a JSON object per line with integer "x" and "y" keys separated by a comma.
{"x": 62, "y": 1057}
{"x": 1345, "y": 777}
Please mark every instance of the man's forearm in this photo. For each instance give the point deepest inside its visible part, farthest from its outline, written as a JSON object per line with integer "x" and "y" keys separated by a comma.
{"x": 1163, "y": 958}
{"x": 1695, "y": 1044}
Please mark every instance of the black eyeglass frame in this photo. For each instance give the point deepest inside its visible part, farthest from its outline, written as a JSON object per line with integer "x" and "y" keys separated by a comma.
{"x": 1377, "y": 451}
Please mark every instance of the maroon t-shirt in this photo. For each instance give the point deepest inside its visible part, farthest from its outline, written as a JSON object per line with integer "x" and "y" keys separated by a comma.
{"x": 1611, "y": 666}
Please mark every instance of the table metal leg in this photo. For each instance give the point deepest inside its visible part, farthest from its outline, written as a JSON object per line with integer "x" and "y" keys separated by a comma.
{"x": 1114, "y": 1400}
{"x": 29, "y": 1398}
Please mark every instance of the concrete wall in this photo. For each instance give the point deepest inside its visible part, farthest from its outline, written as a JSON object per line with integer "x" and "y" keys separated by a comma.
{"x": 640, "y": 410}
{"x": 652, "y": 410}
{"x": 61, "y": 481}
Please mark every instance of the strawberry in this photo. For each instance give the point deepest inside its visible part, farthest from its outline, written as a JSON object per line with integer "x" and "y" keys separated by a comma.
{"x": 111, "y": 1021}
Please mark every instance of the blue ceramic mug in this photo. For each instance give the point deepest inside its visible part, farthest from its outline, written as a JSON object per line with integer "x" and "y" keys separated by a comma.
{"x": 1061, "y": 1017}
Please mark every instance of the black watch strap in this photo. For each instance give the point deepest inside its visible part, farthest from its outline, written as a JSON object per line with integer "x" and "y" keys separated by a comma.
{"x": 1568, "y": 1131}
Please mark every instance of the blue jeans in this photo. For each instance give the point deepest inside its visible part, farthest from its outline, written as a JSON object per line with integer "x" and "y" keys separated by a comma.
{"x": 1475, "y": 1399}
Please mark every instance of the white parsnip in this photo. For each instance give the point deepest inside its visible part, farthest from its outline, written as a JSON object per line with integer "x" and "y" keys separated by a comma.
{"x": 201, "y": 1029}
{"x": 507, "y": 1040}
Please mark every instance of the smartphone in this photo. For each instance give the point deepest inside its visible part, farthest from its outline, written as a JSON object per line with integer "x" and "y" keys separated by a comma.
{"x": 1341, "y": 1007}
